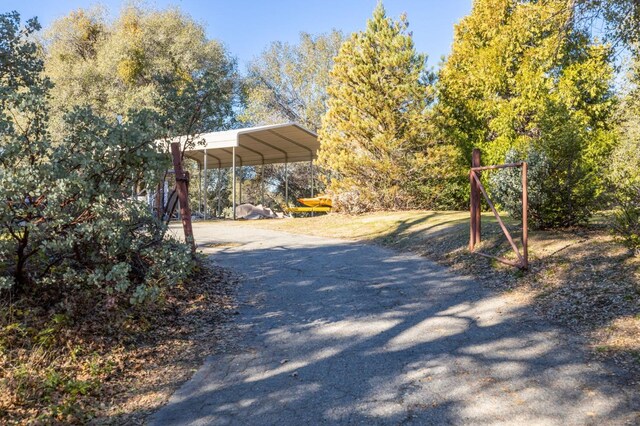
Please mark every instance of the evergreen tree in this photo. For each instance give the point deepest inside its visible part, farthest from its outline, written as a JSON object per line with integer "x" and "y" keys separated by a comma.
{"x": 523, "y": 76}
{"x": 373, "y": 137}
{"x": 624, "y": 167}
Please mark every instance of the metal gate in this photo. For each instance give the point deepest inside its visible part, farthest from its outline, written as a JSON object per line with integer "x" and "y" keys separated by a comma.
{"x": 475, "y": 210}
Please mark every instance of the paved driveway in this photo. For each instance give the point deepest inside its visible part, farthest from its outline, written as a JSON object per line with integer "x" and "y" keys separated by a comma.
{"x": 332, "y": 332}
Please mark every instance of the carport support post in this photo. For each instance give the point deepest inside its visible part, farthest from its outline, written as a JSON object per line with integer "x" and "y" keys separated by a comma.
{"x": 218, "y": 211}
{"x": 233, "y": 180}
{"x": 205, "y": 184}
{"x": 199, "y": 188}
{"x": 160, "y": 200}
{"x": 262, "y": 184}
{"x": 286, "y": 185}
{"x": 311, "y": 164}
{"x": 311, "y": 167}
{"x": 240, "y": 186}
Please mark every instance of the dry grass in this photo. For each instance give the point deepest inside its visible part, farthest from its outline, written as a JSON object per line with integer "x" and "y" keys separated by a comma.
{"x": 581, "y": 278}
{"x": 117, "y": 370}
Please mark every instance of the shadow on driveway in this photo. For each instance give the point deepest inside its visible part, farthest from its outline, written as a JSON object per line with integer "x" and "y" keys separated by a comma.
{"x": 331, "y": 332}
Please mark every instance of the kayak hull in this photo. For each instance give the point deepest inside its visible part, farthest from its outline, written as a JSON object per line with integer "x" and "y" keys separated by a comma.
{"x": 316, "y": 202}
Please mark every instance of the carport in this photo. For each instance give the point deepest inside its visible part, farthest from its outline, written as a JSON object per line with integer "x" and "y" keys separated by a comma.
{"x": 253, "y": 146}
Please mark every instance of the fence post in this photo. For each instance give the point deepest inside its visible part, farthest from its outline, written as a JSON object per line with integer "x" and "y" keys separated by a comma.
{"x": 160, "y": 200}
{"x": 182, "y": 187}
{"x": 472, "y": 214}
{"x": 525, "y": 218}
{"x": 475, "y": 209}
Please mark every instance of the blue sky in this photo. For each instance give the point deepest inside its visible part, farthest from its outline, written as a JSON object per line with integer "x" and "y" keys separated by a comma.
{"x": 246, "y": 27}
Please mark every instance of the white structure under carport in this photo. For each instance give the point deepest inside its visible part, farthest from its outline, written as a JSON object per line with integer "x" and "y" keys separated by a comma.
{"x": 254, "y": 146}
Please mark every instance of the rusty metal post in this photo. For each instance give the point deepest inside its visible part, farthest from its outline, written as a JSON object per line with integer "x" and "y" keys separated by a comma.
{"x": 525, "y": 228}
{"x": 478, "y": 189}
{"x": 476, "y": 225}
{"x": 182, "y": 187}
{"x": 472, "y": 214}
{"x": 160, "y": 200}
{"x": 476, "y": 161}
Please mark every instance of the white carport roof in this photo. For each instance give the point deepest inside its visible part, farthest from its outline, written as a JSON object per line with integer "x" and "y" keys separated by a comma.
{"x": 253, "y": 146}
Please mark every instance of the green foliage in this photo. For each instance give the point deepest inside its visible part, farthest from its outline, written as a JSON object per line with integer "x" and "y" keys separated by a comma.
{"x": 374, "y": 137}
{"x": 507, "y": 188}
{"x": 70, "y": 223}
{"x": 159, "y": 60}
{"x": 288, "y": 83}
{"x": 523, "y": 76}
{"x": 624, "y": 168}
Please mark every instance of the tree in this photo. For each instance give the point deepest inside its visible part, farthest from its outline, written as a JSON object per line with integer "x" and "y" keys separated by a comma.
{"x": 621, "y": 20}
{"x": 70, "y": 225}
{"x": 624, "y": 167}
{"x": 374, "y": 139}
{"x": 159, "y": 60}
{"x": 517, "y": 79}
{"x": 288, "y": 83}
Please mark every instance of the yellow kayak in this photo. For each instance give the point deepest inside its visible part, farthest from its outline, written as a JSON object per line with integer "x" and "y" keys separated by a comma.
{"x": 316, "y": 202}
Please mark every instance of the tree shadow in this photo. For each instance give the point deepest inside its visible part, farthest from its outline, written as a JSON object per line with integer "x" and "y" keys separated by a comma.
{"x": 580, "y": 277}
{"x": 345, "y": 333}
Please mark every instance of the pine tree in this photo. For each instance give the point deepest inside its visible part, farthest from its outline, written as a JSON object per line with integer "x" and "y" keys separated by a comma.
{"x": 373, "y": 134}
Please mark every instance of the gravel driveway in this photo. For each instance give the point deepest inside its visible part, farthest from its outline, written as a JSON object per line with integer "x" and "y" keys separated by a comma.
{"x": 333, "y": 332}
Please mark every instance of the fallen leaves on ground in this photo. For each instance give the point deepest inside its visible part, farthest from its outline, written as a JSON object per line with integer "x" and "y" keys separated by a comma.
{"x": 108, "y": 370}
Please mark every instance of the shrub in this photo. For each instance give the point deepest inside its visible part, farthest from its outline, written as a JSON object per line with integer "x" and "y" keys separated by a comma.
{"x": 69, "y": 222}
{"x": 624, "y": 178}
{"x": 506, "y": 187}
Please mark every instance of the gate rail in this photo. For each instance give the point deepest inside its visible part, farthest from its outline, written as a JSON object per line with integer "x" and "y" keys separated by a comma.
{"x": 475, "y": 209}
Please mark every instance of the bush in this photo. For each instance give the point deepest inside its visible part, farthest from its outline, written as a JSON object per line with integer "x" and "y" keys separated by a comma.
{"x": 70, "y": 224}
{"x": 506, "y": 187}
{"x": 624, "y": 178}
{"x": 555, "y": 199}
